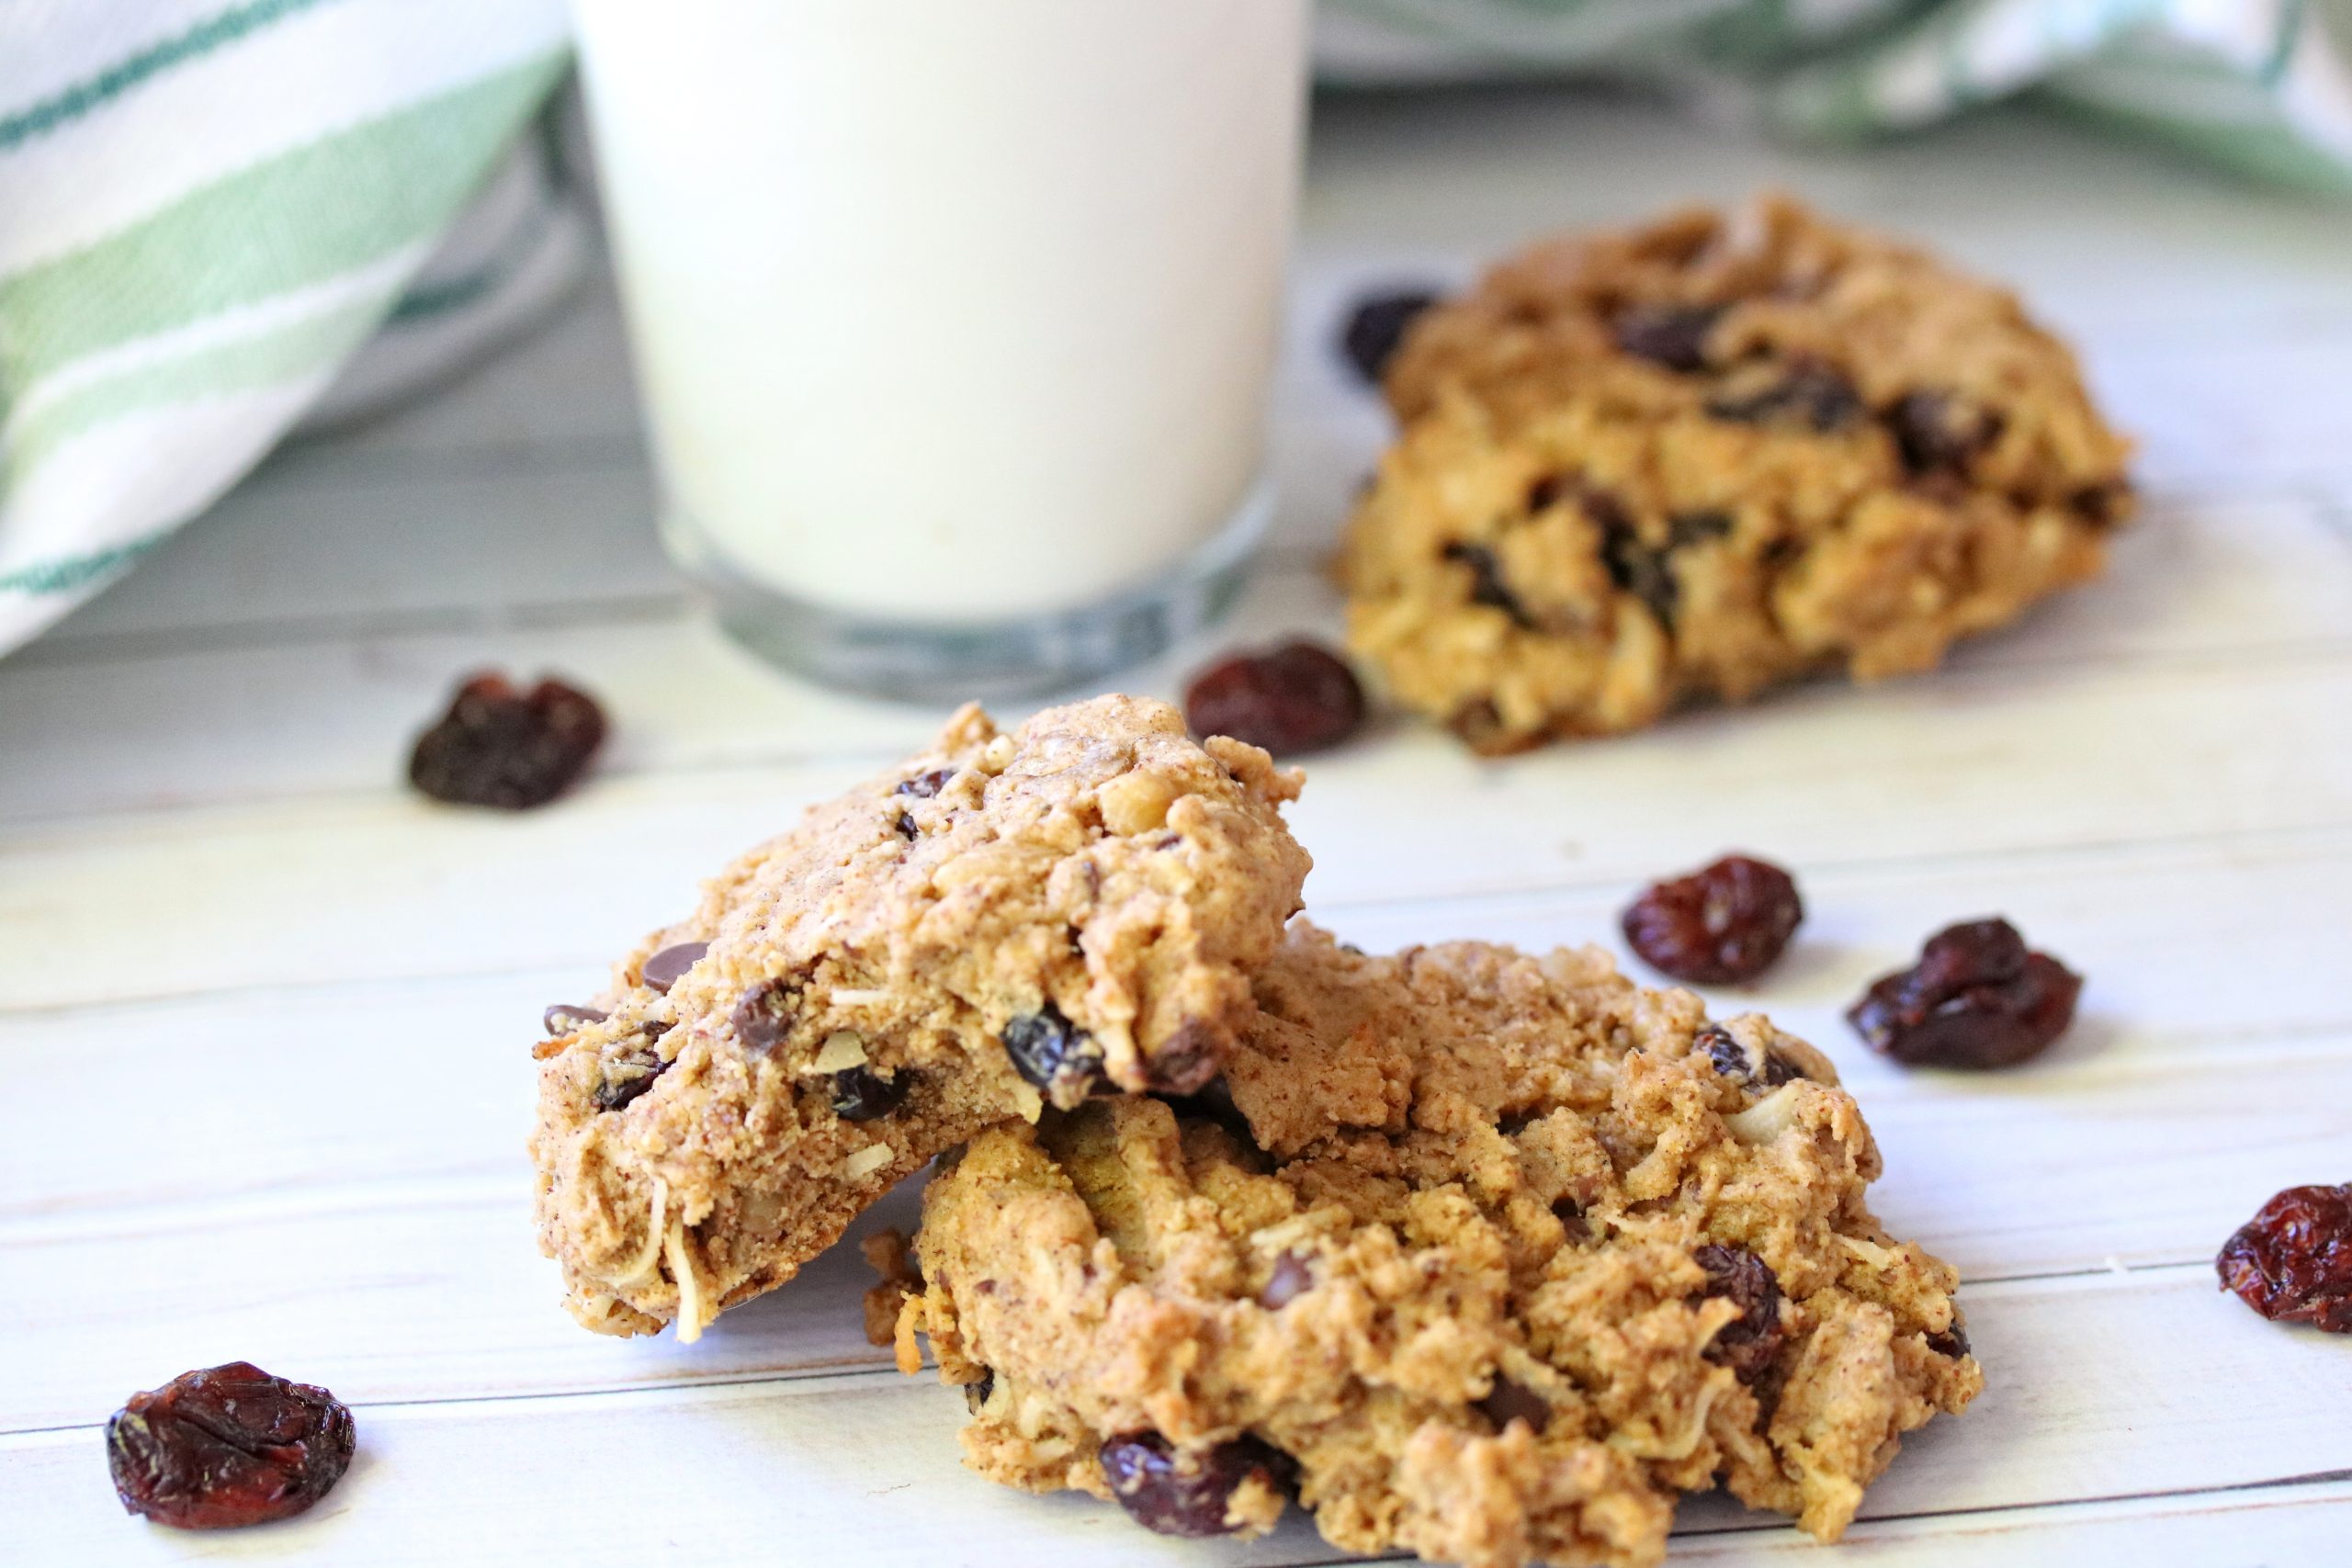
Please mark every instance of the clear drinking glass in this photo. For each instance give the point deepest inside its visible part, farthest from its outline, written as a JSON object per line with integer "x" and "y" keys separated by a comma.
{"x": 954, "y": 319}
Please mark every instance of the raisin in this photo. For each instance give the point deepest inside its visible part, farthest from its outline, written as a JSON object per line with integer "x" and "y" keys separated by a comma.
{"x": 502, "y": 747}
{"x": 1377, "y": 326}
{"x": 1748, "y": 1343}
{"x": 1293, "y": 699}
{"x": 923, "y": 786}
{"x": 1977, "y": 998}
{"x": 1187, "y": 1060}
{"x": 2292, "y": 1262}
{"x": 225, "y": 1446}
{"x": 1185, "y": 1494}
{"x": 763, "y": 1015}
{"x": 861, "y": 1094}
{"x": 976, "y": 1393}
{"x": 1291, "y": 1278}
{"x": 627, "y": 1076}
{"x": 1054, "y": 1054}
{"x": 1808, "y": 394}
{"x": 568, "y": 1018}
{"x": 1514, "y": 1401}
{"x": 1671, "y": 335}
{"x": 667, "y": 967}
{"x": 1487, "y": 586}
{"x": 1731, "y": 1059}
{"x": 1940, "y": 433}
{"x": 1722, "y": 923}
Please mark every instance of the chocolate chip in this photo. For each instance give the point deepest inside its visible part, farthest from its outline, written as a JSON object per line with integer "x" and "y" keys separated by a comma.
{"x": 1952, "y": 1343}
{"x": 1938, "y": 433}
{"x": 1291, "y": 1278}
{"x": 1377, "y": 326}
{"x": 763, "y": 1015}
{"x": 1185, "y": 1494}
{"x": 569, "y": 1018}
{"x": 1747, "y": 1344}
{"x": 1514, "y": 1401}
{"x": 664, "y": 969}
{"x": 1486, "y": 579}
{"x": 627, "y": 1076}
{"x": 1054, "y": 1054}
{"x": 2100, "y": 505}
{"x": 1638, "y": 569}
{"x": 1808, "y": 394}
{"x": 1779, "y": 1069}
{"x": 976, "y": 1393}
{"x": 1546, "y": 492}
{"x": 1671, "y": 335}
{"x": 923, "y": 786}
{"x": 861, "y": 1094}
{"x": 905, "y": 825}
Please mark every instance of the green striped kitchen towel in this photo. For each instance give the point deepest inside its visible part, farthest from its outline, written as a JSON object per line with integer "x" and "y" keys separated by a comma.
{"x": 207, "y": 207}
{"x": 221, "y": 217}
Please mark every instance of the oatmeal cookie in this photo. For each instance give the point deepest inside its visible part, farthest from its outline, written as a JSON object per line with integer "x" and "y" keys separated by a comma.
{"x": 1709, "y": 455}
{"x": 1002, "y": 921}
{"x": 1477, "y": 1253}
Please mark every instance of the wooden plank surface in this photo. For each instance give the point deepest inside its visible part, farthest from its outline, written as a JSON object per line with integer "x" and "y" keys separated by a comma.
{"x": 264, "y": 1016}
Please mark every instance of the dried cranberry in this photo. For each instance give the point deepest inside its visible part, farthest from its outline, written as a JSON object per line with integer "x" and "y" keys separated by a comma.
{"x": 1724, "y": 923}
{"x": 1292, "y": 1278}
{"x": 1486, "y": 585}
{"x": 499, "y": 746}
{"x": 1938, "y": 432}
{"x": 1671, "y": 335}
{"x": 1748, "y": 1343}
{"x": 1977, "y": 998}
{"x": 667, "y": 967}
{"x": 1054, "y": 1054}
{"x": 1808, "y": 394}
{"x": 1515, "y": 1402}
{"x": 1377, "y": 325}
{"x": 2292, "y": 1262}
{"x": 1296, "y": 698}
{"x": 861, "y": 1094}
{"x": 1185, "y": 1493}
{"x": 226, "y": 1447}
{"x": 569, "y": 1018}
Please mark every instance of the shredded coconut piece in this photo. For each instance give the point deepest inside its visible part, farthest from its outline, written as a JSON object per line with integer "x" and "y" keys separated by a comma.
{"x": 682, "y": 1266}
{"x": 650, "y": 1253}
{"x": 845, "y": 996}
{"x": 867, "y": 1161}
{"x": 842, "y": 1048}
{"x": 1768, "y": 1118}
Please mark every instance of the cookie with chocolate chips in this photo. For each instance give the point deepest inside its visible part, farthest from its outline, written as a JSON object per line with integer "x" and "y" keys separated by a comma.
{"x": 1709, "y": 455}
{"x": 1008, "y": 920}
{"x": 1480, "y": 1255}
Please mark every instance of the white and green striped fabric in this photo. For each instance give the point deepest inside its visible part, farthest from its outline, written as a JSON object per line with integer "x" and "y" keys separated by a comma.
{"x": 221, "y": 217}
{"x": 207, "y": 207}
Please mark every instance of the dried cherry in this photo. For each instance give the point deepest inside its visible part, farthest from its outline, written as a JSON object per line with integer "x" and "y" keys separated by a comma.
{"x": 1978, "y": 998}
{"x": 502, "y": 747}
{"x": 1748, "y": 1343}
{"x": 2292, "y": 1262}
{"x": 1724, "y": 923}
{"x": 1291, "y": 699}
{"x": 227, "y": 1446}
{"x": 1376, "y": 327}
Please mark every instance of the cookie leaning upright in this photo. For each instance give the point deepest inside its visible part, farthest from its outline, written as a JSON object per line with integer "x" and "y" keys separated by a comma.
{"x": 1708, "y": 456}
{"x": 1002, "y": 920}
{"x": 1478, "y": 1254}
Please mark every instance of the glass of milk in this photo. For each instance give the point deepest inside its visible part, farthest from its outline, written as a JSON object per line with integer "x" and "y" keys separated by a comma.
{"x": 954, "y": 319}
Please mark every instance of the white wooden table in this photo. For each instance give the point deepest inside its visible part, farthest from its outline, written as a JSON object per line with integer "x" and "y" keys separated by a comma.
{"x": 264, "y": 1015}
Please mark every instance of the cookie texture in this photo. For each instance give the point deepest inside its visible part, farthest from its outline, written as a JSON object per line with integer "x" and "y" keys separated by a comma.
{"x": 1004, "y": 920}
{"x": 1710, "y": 455}
{"x": 1477, "y": 1253}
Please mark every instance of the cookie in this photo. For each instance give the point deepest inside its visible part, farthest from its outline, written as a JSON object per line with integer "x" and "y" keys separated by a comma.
{"x": 1480, "y": 1255}
{"x": 1707, "y": 456}
{"x": 1003, "y": 921}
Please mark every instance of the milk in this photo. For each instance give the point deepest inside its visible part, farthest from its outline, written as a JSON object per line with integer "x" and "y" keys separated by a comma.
{"x": 950, "y": 312}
